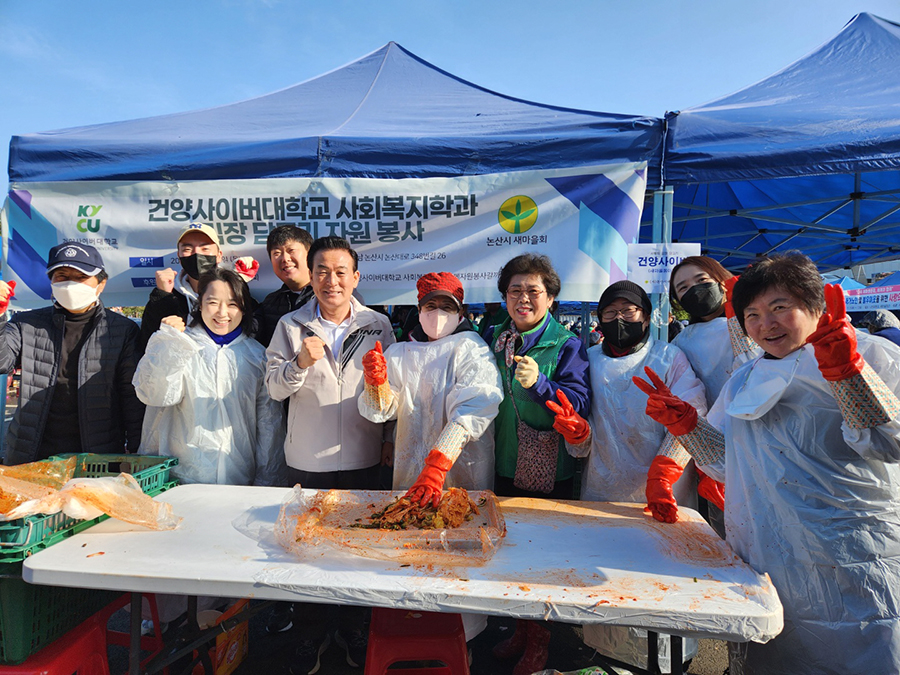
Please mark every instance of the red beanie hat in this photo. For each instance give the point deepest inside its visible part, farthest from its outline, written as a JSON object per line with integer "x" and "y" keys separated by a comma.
{"x": 440, "y": 283}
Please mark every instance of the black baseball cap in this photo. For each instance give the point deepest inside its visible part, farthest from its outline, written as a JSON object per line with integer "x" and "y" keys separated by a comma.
{"x": 627, "y": 290}
{"x": 82, "y": 257}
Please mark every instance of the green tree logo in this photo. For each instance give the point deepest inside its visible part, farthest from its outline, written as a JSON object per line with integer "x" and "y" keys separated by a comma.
{"x": 517, "y": 214}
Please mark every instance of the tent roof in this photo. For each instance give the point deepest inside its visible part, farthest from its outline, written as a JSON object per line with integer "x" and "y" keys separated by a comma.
{"x": 892, "y": 279}
{"x": 836, "y": 110}
{"x": 389, "y": 114}
{"x": 805, "y": 159}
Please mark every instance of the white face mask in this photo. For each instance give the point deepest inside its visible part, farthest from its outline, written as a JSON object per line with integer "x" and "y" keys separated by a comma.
{"x": 763, "y": 387}
{"x": 437, "y": 323}
{"x": 73, "y": 295}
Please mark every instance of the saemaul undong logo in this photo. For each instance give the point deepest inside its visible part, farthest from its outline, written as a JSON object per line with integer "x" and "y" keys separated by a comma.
{"x": 517, "y": 214}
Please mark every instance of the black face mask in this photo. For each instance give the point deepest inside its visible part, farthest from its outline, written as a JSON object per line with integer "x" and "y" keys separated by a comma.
{"x": 702, "y": 299}
{"x": 198, "y": 264}
{"x": 622, "y": 334}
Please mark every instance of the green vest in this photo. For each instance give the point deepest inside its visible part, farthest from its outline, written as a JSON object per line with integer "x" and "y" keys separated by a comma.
{"x": 536, "y": 415}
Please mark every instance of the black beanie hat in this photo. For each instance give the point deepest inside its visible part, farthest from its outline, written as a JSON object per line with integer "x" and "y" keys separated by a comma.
{"x": 627, "y": 290}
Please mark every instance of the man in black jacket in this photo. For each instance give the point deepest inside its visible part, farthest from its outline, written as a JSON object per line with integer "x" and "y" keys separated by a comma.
{"x": 287, "y": 246}
{"x": 176, "y": 292}
{"x": 77, "y": 360}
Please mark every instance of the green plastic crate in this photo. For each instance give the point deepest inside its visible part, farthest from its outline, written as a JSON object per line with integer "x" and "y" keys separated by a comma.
{"x": 32, "y": 616}
{"x": 24, "y": 536}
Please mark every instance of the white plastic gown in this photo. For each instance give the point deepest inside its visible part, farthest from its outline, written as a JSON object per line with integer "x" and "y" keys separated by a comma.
{"x": 454, "y": 379}
{"x": 208, "y": 406}
{"x": 708, "y": 348}
{"x": 816, "y": 505}
{"x": 624, "y": 442}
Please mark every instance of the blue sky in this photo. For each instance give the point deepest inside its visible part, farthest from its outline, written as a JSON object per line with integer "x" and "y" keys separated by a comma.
{"x": 65, "y": 63}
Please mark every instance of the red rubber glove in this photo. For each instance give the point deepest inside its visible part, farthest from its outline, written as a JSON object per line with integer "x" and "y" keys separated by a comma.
{"x": 247, "y": 267}
{"x": 729, "y": 292}
{"x": 662, "y": 475}
{"x": 711, "y": 490}
{"x": 834, "y": 341}
{"x": 4, "y": 304}
{"x": 664, "y": 407}
{"x": 375, "y": 366}
{"x": 573, "y": 427}
{"x": 429, "y": 486}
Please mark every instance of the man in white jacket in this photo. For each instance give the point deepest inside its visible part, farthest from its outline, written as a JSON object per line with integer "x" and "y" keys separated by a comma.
{"x": 315, "y": 359}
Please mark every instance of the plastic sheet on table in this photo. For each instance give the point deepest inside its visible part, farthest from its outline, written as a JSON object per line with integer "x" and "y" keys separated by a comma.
{"x": 314, "y": 521}
{"x": 119, "y": 497}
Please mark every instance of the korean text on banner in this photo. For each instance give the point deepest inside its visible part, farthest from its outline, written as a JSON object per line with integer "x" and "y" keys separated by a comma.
{"x": 583, "y": 218}
{"x": 873, "y": 297}
{"x": 650, "y": 265}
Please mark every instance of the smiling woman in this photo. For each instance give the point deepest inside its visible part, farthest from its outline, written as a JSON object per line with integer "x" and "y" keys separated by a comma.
{"x": 182, "y": 378}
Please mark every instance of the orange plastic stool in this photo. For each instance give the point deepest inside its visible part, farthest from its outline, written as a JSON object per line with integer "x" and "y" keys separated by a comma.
{"x": 82, "y": 650}
{"x": 407, "y": 635}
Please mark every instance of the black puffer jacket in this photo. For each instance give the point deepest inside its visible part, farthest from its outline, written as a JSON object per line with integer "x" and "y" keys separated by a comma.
{"x": 110, "y": 412}
{"x": 160, "y": 305}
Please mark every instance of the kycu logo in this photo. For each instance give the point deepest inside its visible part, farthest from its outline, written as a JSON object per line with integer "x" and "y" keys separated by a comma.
{"x": 86, "y": 221}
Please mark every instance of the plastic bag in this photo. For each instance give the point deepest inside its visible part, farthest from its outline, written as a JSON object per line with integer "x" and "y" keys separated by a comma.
{"x": 119, "y": 497}
{"x": 314, "y": 521}
{"x": 53, "y": 474}
{"x": 18, "y": 495}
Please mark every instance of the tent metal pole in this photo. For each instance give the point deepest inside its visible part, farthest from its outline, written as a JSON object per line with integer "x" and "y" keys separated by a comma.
{"x": 662, "y": 234}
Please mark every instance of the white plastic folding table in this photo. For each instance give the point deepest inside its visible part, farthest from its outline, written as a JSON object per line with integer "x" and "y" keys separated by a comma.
{"x": 574, "y": 562}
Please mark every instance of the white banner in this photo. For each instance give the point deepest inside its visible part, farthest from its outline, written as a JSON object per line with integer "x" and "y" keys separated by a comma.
{"x": 583, "y": 219}
{"x": 650, "y": 265}
{"x": 873, "y": 297}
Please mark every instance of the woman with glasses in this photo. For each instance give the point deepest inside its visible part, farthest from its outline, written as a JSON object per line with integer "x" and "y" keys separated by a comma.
{"x": 715, "y": 345}
{"x": 807, "y": 441}
{"x": 539, "y": 360}
{"x": 617, "y": 440}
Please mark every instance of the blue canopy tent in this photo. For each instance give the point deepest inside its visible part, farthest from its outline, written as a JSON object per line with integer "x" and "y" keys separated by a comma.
{"x": 847, "y": 283}
{"x": 388, "y": 115}
{"x": 806, "y": 159}
{"x": 890, "y": 280}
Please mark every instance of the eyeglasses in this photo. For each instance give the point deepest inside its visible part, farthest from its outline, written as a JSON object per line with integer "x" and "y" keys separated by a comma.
{"x": 629, "y": 314}
{"x": 532, "y": 293}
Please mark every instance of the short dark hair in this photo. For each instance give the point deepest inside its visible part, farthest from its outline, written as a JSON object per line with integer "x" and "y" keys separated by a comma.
{"x": 530, "y": 263}
{"x": 101, "y": 276}
{"x": 331, "y": 244}
{"x": 283, "y": 234}
{"x": 711, "y": 266}
{"x": 792, "y": 271}
{"x": 238, "y": 289}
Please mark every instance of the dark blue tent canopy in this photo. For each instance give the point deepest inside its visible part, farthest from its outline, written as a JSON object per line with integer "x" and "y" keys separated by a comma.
{"x": 806, "y": 158}
{"x": 388, "y": 115}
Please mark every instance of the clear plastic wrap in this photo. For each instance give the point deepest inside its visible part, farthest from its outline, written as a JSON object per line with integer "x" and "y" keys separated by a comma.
{"x": 16, "y": 494}
{"x": 319, "y": 521}
{"x": 119, "y": 497}
{"x": 53, "y": 474}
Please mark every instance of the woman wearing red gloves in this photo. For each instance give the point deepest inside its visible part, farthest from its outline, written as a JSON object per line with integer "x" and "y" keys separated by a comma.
{"x": 807, "y": 442}
{"x": 715, "y": 345}
{"x": 443, "y": 388}
{"x": 621, "y": 444}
